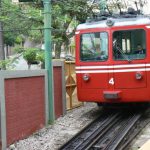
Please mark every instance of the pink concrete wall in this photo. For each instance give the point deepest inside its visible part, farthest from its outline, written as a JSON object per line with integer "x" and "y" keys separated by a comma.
{"x": 58, "y": 102}
{"x": 25, "y": 106}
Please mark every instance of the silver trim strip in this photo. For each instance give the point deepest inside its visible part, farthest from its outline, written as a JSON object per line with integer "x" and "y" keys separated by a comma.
{"x": 113, "y": 71}
{"x": 112, "y": 66}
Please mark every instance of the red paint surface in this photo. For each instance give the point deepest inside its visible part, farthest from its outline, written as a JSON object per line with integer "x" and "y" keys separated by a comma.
{"x": 58, "y": 101}
{"x": 25, "y": 107}
{"x": 96, "y": 82}
{"x": 132, "y": 90}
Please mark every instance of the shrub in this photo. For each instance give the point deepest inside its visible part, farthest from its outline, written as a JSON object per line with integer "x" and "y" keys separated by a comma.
{"x": 30, "y": 55}
{"x": 4, "y": 64}
{"x": 40, "y": 56}
{"x": 18, "y": 50}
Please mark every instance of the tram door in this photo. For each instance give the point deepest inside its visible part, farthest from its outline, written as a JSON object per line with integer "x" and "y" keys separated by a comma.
{"x": 129, "y": 53}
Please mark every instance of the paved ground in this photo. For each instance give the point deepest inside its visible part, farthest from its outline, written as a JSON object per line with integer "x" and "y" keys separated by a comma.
{"x": 142, "y": 138}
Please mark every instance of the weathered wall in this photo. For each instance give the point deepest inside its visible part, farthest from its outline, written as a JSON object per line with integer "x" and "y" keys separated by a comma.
{"x": 59, "y": 88}
{"x": 25, "y": 106}
{"x": 24, "y": 103}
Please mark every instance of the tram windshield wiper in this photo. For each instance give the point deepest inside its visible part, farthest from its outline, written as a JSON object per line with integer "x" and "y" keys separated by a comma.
{"x": 124, "y": 56}
{"x": 120, "y": 51}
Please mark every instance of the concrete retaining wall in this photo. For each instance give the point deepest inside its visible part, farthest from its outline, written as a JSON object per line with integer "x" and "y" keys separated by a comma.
{"x": 24, "y": 105}
{"x": 59, "y": 88}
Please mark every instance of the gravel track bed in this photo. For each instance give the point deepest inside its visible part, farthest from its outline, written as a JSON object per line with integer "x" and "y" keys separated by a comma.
{"x": 64, "y": 128}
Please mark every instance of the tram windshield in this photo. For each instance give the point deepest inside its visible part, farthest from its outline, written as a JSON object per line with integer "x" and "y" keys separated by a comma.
{"x": 94, "y": 46}
{"x": 129, "y": 45}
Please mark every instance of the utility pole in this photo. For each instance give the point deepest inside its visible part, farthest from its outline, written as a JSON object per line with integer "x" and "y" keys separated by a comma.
{"x": 2, "y": 55}
{"x": 141, "y": 6}
{"x": 102, "y": 5}
{"x": 48, "y": 56}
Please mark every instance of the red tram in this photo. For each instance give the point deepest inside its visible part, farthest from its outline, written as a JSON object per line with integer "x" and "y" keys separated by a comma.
{"x": 113, "y": 60}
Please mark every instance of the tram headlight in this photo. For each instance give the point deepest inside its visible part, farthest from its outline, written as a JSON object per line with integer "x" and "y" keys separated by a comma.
{"x": 86, "y": 77}
{"x": 138, "y": 75}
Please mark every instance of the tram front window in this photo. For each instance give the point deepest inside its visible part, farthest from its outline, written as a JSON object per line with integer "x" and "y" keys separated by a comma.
{"x": 129, "y": 45}
{"x": 94, "y": 46}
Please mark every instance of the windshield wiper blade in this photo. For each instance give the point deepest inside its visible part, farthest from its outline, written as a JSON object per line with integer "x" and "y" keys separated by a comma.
{"x": 125, "y": 57}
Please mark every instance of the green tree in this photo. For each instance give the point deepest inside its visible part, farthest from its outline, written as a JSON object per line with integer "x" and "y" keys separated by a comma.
{"x": 25, "y": 17}
{"x": 64, "y": 14}
{"x": 17, "y": 20}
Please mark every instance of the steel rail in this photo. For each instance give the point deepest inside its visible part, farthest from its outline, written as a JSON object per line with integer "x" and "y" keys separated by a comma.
{"x": 135, "y": 131}
{"x": 91, "y": 131}
{"x": 115, "y": 142}
{"x": 112, "y": 134}
{"x": 98, "y": 134}
{"x": 108, "y": 132}
{"x": 125, "y": 129}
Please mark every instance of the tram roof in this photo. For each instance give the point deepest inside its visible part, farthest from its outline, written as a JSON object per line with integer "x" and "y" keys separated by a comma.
{"x": 117, "y": 22}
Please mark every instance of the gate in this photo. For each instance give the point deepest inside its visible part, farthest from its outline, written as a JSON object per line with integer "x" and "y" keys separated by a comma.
{"x": 71, "y": 90}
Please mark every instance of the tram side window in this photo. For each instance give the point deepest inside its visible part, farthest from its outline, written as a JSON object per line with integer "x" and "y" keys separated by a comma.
{"x": 129, "y": 45}
{"x": 94, "y": 46}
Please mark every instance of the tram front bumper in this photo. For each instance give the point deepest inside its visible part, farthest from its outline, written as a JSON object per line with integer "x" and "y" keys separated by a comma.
{"x": 110, "y": 95}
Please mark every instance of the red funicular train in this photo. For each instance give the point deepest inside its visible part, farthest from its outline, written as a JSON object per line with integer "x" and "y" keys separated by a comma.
{"x": 113, "y": 59}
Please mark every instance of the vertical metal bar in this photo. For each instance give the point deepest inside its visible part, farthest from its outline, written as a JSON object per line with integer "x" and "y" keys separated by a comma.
{"x": 141, "y": 6}
{"x": 102, "y": 5}
{"x": 2, "y": 55}
{"x": 46, "y": 100}
{"x": 3, "y": 114}
{"x": 70, "y": 86}
{"x": 63, "y": 87}
{"x": 48, "y": 56}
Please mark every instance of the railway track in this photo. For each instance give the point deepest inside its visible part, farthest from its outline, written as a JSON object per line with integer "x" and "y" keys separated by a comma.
{"x": 113, "y": 130}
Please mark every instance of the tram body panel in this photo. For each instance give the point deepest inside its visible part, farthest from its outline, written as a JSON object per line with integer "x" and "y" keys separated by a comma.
{"x": 133, "y": 95}
{"x": 114, "y": 79}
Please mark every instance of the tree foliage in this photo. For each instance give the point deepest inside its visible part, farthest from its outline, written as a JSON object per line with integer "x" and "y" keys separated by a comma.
{"x": 30, "y": 55}
{"x": 65, "y": 14}
{"x": 33, "y": 56}
{"x": 22, "y": 19}
{"x": 26, "y": 19}
{"x": 18, "y": 20}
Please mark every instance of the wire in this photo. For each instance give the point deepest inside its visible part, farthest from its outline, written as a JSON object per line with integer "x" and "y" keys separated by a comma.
{"x": 38, "y": 29}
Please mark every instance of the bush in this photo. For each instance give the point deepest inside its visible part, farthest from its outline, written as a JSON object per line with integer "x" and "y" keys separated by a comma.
{"x": 30, "y": 55}
{"x": 4, "y": 64}
{"x": 40, "y": 56}
{"x": 18, "y": 50}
